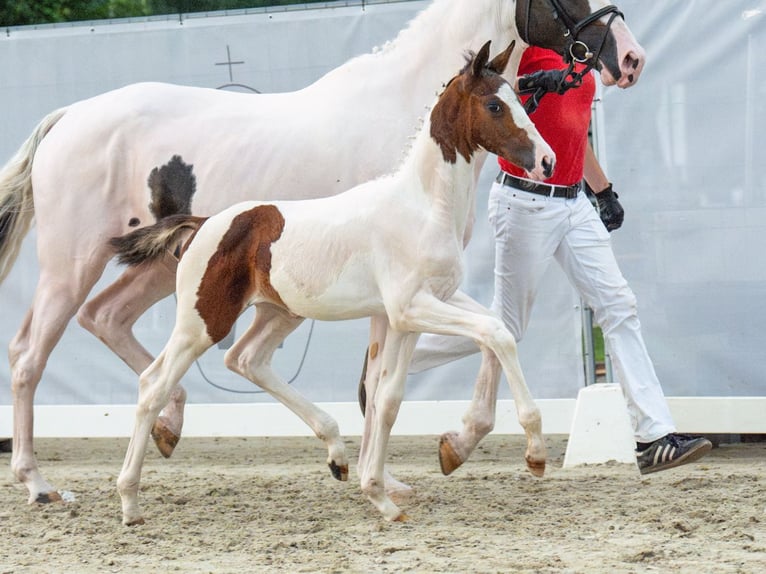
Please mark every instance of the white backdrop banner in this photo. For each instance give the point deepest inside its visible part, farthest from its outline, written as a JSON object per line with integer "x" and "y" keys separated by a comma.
{"x": 681, "y": 147}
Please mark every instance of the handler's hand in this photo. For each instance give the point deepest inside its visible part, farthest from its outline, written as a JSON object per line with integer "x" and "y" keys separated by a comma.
{"x": 610, "y": 210}
{"x": 548, "y": 80}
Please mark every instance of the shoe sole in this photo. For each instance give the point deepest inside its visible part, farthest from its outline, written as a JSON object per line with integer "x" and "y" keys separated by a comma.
{"x": 694, "y": 454}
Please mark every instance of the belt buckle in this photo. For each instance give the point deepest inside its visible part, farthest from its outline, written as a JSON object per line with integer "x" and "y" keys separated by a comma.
{"x": 526, "y": 185}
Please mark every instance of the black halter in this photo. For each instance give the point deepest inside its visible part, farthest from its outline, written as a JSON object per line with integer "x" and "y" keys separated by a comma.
{"x": 575, "y": 50}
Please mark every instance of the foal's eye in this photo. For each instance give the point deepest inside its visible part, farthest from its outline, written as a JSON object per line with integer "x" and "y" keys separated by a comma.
{"x": 494, "y": 107}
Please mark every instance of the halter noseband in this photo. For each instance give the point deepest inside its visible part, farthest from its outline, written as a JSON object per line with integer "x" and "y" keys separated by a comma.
{"x": 575, "y": 50}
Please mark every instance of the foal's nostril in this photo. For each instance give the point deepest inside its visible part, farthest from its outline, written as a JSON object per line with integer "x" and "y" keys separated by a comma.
{"x": 547, "y": 166}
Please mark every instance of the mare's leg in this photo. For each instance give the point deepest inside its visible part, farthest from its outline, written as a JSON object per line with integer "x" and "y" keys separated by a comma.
{"x": 251, "y": 356}
{"x": 188, "y": 341}
{"x": 382, "y": 409}
{"x": 456, "y": 447}
{"x": 62, "y": 287}
{"x": 110, "y": 316}
{"x": 452, "y": 317}
{"x": 478, "y": 421}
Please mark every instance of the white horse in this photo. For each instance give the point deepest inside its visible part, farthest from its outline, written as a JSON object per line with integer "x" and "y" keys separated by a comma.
{"x": 177, "y": 136}
{"x": 391, "y": 247}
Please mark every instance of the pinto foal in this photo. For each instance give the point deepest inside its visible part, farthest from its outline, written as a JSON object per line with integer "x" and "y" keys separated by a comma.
{"x": 392, "y": 247}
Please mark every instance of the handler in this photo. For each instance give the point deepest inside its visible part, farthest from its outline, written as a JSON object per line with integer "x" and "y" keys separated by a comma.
{"x": 534, "y": 223}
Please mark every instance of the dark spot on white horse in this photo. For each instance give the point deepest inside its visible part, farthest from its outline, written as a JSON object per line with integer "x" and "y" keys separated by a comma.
{"x": 134, "y": 222}
{"x": 239, "y": 269}
{"x": 172, "y": 186}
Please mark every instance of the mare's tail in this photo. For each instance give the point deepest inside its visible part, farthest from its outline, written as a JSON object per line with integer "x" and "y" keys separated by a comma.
{"x": 16, "y": 207}
{"x": 144, "y": 245}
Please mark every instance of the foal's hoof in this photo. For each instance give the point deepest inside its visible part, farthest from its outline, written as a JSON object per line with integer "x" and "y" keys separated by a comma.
{"x": 536, "y": 467}
{"x": 134, "y": 522}
{"x": 397, "y": 491}
{"x": 339, "y": 472}
{"x": 401, "y": 495}
{"x": 165, "y": 439}
{"x": 449, "y": 459}
{"x": 402, "y": 518}
{"x": 48, "y": 497}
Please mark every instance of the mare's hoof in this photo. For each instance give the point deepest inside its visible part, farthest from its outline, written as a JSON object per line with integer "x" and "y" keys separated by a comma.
{"x": 536, "y": 467}
{"x": 339, "y": 472}
{"x": 135, "y": 522}
{"x": 165, "y": 439}
{"x": 449, "y": 460}
{"x": 48, "y": 497}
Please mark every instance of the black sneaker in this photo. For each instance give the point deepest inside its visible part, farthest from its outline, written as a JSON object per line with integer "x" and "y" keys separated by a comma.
{"x": 670, "y": 451}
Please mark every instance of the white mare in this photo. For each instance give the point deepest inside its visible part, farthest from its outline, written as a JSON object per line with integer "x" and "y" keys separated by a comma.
{"x": 82, "y": 175}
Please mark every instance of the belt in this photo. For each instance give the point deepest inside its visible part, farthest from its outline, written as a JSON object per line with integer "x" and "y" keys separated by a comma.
{"x": 538, "y": 188}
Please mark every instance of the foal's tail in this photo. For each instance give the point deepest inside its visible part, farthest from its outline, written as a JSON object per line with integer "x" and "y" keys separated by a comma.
{"x": 147, "y": 244}
{"x": 16, "y": 207}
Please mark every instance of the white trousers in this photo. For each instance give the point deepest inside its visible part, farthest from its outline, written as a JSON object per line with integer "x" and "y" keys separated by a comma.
{"x": 530, "y": 231}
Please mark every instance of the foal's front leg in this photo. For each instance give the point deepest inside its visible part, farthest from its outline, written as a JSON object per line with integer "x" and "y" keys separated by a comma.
{"x": 453, "y": 317}
{"x": 397, "y": 490}
{"x": 382, "y": 409}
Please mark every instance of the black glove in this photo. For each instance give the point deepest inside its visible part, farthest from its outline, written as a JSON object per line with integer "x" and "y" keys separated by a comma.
{"x": 609, "y": 209}
{"x": 544, "y": 80}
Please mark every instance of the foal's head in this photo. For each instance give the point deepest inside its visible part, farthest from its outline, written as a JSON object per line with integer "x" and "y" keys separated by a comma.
{"x": 479, "y": 109}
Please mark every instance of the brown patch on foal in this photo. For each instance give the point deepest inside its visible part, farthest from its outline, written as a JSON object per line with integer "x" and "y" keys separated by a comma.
{"x": 239, "y": 269}
{"x": 461, "y": 113}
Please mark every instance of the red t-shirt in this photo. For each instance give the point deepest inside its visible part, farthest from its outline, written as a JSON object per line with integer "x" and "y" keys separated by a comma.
{"x": 563, "y": 121}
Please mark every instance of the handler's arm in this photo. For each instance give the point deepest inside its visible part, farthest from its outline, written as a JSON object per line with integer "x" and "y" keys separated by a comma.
{"x": 593, "y": 173}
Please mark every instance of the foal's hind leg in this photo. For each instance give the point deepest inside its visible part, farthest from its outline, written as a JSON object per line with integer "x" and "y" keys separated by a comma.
{"x": 110, "y": 317}
{"x": 462, "y": 316}
{"x": 186, "y": 344}
{"x": 251, "y": 356}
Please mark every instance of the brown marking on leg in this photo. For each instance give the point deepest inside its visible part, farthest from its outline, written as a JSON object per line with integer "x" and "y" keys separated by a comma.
{"x": 373, "y": 351}
{"x": 240, "y": 267}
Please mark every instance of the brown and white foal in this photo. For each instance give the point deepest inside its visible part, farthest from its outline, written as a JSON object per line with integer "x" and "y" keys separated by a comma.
{"x": 391, "y": 247}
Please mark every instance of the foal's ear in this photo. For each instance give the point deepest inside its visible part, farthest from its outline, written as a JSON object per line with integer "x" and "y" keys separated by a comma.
{"x": 500, "y": 62}
{"x": 480, "y": 60}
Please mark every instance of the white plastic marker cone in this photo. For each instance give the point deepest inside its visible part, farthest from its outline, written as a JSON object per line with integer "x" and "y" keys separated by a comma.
{"x": 601, "y": 429}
